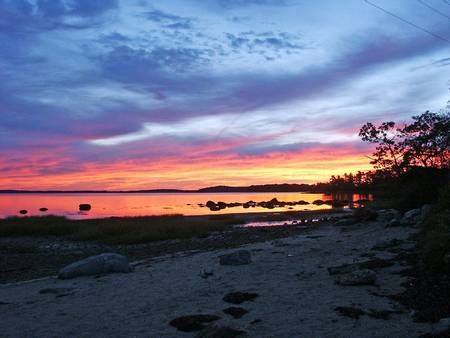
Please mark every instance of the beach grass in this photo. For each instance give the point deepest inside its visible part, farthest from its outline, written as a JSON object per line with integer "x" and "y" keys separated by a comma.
{"x": 118, "y": 230}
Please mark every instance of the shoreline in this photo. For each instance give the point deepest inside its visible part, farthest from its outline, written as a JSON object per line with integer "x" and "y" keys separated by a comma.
{"x": 289, "y": 273}
{"x": 29, "y": 257}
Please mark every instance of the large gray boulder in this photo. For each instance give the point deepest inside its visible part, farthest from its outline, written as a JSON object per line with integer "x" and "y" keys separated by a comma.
{"x": 94, "y": 265}
{"x": 240, "y": 257}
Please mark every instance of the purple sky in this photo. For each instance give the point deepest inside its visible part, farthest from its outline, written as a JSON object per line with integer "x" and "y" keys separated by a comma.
{"x": 135, "y": 93}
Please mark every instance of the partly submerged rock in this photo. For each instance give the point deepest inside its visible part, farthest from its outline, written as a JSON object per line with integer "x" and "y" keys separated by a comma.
{"x": 240, "y": 257}
{"x": 85, "y": 207}
{"x": 359, "y": 277}
{"x": 23, "y": 212}
{"x": 43, "y": 209}
{"x": 220, "y": 332}
{"x": 94, "y": 265}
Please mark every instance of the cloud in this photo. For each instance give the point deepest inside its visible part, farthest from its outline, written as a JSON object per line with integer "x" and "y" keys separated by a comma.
{"x": 229, "y": 4}
{"x": 268, "y": 44}
{"x": 35, "y": 16}
{"x": 169, "y": 20}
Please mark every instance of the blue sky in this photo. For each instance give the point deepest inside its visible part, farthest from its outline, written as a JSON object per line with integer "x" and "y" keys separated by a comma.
{"x": 94, "y": 85}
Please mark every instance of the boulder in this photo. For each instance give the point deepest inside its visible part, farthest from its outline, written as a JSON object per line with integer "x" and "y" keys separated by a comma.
{"x": 359, "y": 277}
{"x": 85, "y": 207}
{"x": 94, "y": 265}
{"x": 221, "y": 205}
{"x": 388, "y": 214}
{"x": 411, "y": 217}
{"x": 210, "y": 204}
{"x": 43, "y": 209}
{"x": 23, "y": 212}
{"x": 365, "y": 214}
{"x": 240, "y": 257}
{"x": 318, "y": 202}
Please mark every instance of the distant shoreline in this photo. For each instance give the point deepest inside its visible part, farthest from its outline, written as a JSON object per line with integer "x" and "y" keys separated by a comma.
{"x": 265, "y": 188}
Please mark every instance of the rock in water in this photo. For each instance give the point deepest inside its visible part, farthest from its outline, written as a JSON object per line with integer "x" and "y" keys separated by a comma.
{"x": 43, "y": 209}
{"x": 94, "y": 265}
{"x": 360, "y": 277}
{"x": 85, "y": 207}
{"x": 23, "y": 212}
{"x": 240, "y": 257}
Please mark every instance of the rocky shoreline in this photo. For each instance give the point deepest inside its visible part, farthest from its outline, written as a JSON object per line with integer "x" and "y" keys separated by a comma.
{"x": 336, "y": 278}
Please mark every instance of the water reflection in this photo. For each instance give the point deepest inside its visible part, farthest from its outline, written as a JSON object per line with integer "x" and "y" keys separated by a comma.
{"x": 107, "y": 205}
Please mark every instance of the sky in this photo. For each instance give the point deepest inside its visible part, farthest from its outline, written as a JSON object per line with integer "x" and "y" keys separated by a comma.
{"x": 137, "y": 94}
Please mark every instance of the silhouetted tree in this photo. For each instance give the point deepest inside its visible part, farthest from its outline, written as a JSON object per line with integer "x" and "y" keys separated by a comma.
{"x": 424, "y": 143}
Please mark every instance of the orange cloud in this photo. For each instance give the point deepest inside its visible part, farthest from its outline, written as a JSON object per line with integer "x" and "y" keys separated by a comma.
{"x": 198, "y": 167}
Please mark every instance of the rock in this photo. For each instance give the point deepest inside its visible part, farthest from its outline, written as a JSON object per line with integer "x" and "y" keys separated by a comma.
{"x": 235, "y": 312}
{"x": 85, "y": 207}
{"x": 43, "y": 209}
{"x": 388, "y": 214}
{"x": 355, "y": 313}
{"x": 348, "y": 311}
{"x": 239, "y": 297}
{"x": 23, "y": 212}
{"x": 54, "y": 290}
{"x": 94, "y": 265}
{"x": 364, "y": 214}
{"x": 359, "y": 277}
{"x": 338, "y": 204}
{"x": 210, "y": 204}
{"x": 411, "y": 217}
{"x": 394, "y": 222}
{"x": 376, "y": 263}
{"x": 345, "y": 222}
{"x": 220, "y": 332}
{"x": 318, "y": 202}
{"x": 192, "y": 322}
{"x": 240, "y": 257}
{"x": 221, "y": 205}
{"x": 206, "y": 273}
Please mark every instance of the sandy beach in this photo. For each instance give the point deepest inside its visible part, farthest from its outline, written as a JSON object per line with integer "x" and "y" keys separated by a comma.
{"x": 297, "y": 296}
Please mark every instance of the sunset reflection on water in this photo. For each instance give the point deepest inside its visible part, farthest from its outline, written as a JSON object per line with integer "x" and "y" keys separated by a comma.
{"x": 141, "y": 204}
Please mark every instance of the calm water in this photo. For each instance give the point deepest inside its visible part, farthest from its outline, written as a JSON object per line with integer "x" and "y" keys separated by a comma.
{"x": 106, "y": 205}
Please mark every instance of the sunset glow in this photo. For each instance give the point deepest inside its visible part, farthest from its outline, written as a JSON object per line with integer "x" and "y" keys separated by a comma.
{"x": 124, "y": 95}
